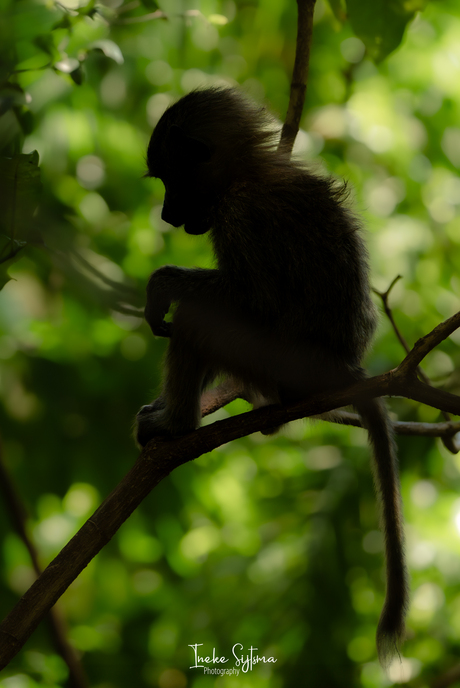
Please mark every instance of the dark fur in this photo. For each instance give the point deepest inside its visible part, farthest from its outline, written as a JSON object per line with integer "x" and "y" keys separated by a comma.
{"x": 287, "y": 312}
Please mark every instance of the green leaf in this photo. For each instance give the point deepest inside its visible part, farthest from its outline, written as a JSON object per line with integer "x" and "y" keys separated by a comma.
{"x": 26, "y": 119}
{"x": 4, "y": 276}
{"x": 339, "y": 9}
{"x": 21, "y": 185}
{"x": 89, "y": 8}
{"x": 11, "y": 95}
{"x": 30, "y": 19}
{"x": 46, "y": 44}
{"x": 109, "y": 48}
{"x": 78, "y": 75}
{"x": 381, "y": 24}
{"x": 150, "y": 4}
{"x": 67, "y": 65}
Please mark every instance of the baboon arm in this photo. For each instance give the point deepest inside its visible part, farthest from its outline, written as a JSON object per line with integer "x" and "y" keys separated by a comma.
{"x": 171, "y": 283}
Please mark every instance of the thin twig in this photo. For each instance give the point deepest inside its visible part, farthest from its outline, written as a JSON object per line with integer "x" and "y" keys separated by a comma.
{"x": 114, "y": 298}
{"x": 384, "y": 295}
{"x": 448, "y": 441}
{"x": 411, "y": 428}
{"x": 123, "y": 289}
{"x": 298, "y": 91}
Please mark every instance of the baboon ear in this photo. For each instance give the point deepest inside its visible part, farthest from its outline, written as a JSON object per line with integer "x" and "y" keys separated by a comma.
{"x": 192, "y": 149}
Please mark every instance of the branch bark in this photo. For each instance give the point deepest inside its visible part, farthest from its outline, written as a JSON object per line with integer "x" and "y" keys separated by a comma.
{"x": 427, "y": 343}
{"x": 447, "y": 439}
{"x": 298, "y": 92}
{"x": 161, "y": 456}
{"x": 442, "y": 430}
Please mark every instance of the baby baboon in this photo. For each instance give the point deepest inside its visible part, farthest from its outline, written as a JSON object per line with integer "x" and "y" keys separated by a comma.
{"x": 286, "y": 312}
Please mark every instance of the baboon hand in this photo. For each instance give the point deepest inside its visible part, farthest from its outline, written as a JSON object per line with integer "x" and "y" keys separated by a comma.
{"x": 159, "y": 300}
{"x": 154, "y": 314}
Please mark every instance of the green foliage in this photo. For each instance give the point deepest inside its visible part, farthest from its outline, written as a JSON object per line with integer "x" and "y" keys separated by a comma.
{"x": 381, "y": 24}
{"x": 272, "y": 542}
{"x": 20, "y": 181}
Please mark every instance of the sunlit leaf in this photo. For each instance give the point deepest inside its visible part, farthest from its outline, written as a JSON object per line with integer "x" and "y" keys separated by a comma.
{"x": 109, "y": 48}
{"x": 379, "y": 24}
{"x": 218, "y": 19}
{"x": 68, "y": 65}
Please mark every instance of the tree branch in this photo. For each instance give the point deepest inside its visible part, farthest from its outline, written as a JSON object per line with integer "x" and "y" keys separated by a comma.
{"x": 442, "y": 430}
{"x": 214, "y": 399}
{"x": 448, "y": 440}
{"x": 300, "y": 74}
{"x": 161, "y": 456}
{"x": 384, "y": 295}
{"x": 427, "y": 343}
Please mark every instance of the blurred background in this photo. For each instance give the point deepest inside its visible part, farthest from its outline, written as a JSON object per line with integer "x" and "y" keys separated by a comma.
{"x": 270, "y": 542}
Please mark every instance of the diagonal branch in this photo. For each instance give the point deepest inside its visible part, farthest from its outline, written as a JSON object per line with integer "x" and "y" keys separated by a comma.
{"x": 427, "y": 343}
{"x": 161, "y": 456}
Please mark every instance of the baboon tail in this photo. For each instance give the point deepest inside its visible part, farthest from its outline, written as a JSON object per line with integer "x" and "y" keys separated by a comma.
{"x": 391, "y": 628}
